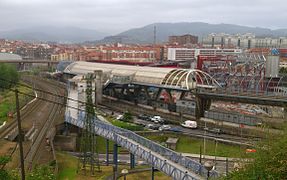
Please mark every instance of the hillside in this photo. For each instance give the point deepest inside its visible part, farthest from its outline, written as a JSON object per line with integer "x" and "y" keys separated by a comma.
{"x": 145, "y": 34}
{"x": 56, "y": 34}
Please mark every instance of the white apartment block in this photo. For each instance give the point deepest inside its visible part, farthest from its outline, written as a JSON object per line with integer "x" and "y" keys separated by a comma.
{"x": 179, "y": 54}
{"x": 244, "y": 41}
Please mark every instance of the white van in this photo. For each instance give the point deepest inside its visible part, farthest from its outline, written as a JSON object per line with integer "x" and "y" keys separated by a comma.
{"x": 189, "y": 124}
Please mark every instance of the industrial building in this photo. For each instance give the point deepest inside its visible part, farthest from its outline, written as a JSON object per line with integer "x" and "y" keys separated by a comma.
{"x": 182, "y": 40}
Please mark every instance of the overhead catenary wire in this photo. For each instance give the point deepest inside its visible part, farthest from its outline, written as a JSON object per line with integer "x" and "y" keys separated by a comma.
{"x": 47, "y": 92}
{"x": 51, "y": 101}
{"x": 48, "y": 100}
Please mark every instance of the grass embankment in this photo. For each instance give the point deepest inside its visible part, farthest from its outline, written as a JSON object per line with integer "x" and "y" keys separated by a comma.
{"x": 191, "y": 145}
{"x": 67, "y": 166}
{"x": 185, "y": 144}
{"x": 101, "y": 146}
{"x": 7, "y": 101}
{"x": 125, "y": 125}
{"x": 147, "y": 175}
{"x": 68, "y": 170}
{"x": 101, "y": 142}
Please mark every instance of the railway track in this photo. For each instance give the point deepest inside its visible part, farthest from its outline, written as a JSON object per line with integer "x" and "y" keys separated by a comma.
{"x": 118, "y": 106}
{"x": 36, "y": 148}
{"x": 11, "y": 126}
{"x": 38, "y": 116}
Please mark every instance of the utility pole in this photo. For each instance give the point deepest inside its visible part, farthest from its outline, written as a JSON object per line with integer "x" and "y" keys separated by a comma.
{"x": 154, "y": 35}
{"x": 204, "y": 140}
{"x": 20, "y": 137}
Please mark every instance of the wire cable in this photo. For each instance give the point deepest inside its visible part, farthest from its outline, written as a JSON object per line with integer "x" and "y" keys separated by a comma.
{"x": 47, "y": 92}
{"x": 48, "y": 100}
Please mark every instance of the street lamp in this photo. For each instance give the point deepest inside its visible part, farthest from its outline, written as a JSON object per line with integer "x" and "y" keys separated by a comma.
{"x": 208, "y": 166}
{"x": 125, "y": 172}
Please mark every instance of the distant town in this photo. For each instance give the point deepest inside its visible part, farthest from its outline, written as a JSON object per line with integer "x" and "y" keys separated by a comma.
{"x": 176, "y": 48}
{"x": 188, "y": 108}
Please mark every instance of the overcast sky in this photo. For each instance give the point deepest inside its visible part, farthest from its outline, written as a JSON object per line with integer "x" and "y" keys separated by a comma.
{"x": 114, "y": 16}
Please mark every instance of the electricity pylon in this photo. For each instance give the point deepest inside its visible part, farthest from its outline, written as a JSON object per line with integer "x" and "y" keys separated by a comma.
{"x": 89, "y": 158}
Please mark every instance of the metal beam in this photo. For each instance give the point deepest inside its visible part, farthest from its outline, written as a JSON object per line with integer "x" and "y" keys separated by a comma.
{"x": 261, "y": 100}
{"x": 171, "y": 163}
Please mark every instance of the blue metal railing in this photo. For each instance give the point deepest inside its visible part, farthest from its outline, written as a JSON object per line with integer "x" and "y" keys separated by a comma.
{"x": 186, "y": 162}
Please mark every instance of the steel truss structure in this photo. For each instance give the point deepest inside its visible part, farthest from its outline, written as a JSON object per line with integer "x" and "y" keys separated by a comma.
{"x": 170, "y": 162}
{"x": 242, "y": 73}
{"x": 89, "y": 156}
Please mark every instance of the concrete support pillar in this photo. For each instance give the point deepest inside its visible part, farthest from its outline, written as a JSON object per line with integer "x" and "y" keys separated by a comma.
{"x": 170, "y": 99}
{"x": 198, "y": 108}
{"x": 158, "y": 94}
{"x": 152, "y": 173}
{"x": 98, "y": 86}
{"x": 147, "y": 95}
{"x": 116, "y": 157}
{"x": 107, "y": 152}
{"x": 129, "y": 93}
{"x": 114, "y": 92}
{"x": 137, "y": 91}
{"x": 146, "y": 92}
{"x": 132, "y": 161}
{"x": 21, "y": 66}
{"x": 202, "y": 105}
{"x": 182, "y": 95}
{"x": 157, "y": 97}
{"x": 122, "y": 93}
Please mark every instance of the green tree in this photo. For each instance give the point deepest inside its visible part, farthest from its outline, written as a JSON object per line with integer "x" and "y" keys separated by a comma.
{"x": 283, "y": 70}
{"x": 9, "y": 76}
{"x": 5, "y": 174}
{"x": 270, "y": 161}
{"x": 39, "y": 173}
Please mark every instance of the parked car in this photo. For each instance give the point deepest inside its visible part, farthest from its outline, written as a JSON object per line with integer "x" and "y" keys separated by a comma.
{"x": 175, "y": 129}
{"x": 213, "y": 130}
{"x": 164, "y": 127}
{"x": 141, "y": 123}
{"x": 189, "y": 124}
{"x": 153, "y": 126}
{"x": 144, "y": 117}
{"x": 157, "y": 119}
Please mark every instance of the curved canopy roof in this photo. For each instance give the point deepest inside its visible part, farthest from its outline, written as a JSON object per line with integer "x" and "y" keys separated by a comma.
{"x": 167, "y": 77}
{"x": 9, "y": 56}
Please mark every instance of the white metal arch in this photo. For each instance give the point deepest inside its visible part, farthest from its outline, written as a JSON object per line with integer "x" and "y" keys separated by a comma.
{"x": 214, "y": 82}
{"x": 191, "y": 79}
{"x": 171, "y": 75}
{"x": 180, "y": 79}
{"x": 176, "y": 79}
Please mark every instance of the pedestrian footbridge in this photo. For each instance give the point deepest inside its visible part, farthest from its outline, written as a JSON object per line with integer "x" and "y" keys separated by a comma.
{"x": 170, "y": 162}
